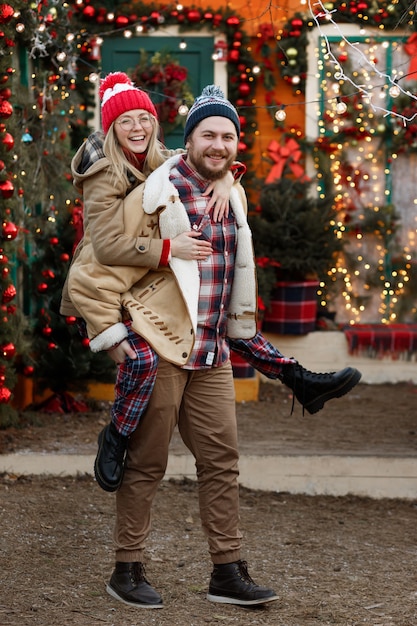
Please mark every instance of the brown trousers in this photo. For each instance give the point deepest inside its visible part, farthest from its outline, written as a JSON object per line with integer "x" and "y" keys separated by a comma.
{"x": 202, "y": 404}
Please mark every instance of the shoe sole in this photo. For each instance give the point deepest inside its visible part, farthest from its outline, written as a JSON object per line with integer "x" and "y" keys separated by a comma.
{"x": 318, "y": 403}
{"x": 100, "y": 480}
{"x": 227, "y": 600}
{"x": 116, "y": 596}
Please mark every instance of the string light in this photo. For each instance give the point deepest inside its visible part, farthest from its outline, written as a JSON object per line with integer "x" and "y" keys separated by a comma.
{"x": 281, "y": 114}
{"x": 183, "y": 109}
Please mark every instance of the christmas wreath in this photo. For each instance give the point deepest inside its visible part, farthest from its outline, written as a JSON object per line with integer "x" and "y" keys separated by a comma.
{"x": 165, "y": 80}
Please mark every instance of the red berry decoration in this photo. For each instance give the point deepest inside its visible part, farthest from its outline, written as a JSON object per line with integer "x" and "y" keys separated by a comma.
{"x": 5, "y": 395}
{"x": 6, "y": 13}
{"x": 6, "y": 109}
{"x": 42, "y": 287}
{"x": 8, "y": 294}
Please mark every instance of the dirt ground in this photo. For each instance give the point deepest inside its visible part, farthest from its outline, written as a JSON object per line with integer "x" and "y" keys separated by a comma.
{"x": 332, "y": 560}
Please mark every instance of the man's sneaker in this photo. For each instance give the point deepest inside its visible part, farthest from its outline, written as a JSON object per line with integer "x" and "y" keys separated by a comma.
{"x": 129, "y": 585}
{"x": 231, "y": 584}
{"x": 313, "y": 390}
{"x": 109, "y": 463}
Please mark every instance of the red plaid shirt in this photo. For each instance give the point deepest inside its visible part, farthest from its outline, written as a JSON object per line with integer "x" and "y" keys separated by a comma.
{"x": 216, "y": 273}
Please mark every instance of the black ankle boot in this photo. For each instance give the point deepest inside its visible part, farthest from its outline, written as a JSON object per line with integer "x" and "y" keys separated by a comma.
{"x": 109, "y": 463}
{"x": 129, "y": 585}
{"x": 313, "y": 390}
{"x": 231, "y": 584}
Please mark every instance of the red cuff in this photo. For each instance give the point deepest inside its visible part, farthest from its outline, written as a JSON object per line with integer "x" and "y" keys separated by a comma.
{"x": 166, "y": 250}
{"x": 238, "y": 169}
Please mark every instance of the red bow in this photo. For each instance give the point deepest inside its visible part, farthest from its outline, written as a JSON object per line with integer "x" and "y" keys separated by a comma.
{"x": 410, "y": 48}
{"x": 281, "y": 155}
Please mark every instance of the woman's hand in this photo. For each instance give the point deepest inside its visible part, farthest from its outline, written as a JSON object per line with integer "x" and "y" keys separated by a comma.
{"x": 219, "y": 201}
{"x": 120, "y": 352}
{"x": 189, "y": 247}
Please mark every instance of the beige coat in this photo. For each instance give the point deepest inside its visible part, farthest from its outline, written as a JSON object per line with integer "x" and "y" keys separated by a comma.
{"x": 161, "y": 302}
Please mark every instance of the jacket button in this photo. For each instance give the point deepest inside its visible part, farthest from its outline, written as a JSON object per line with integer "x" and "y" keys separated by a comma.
{"x": 184, "y": 355}
{"x": 142, "y": 248}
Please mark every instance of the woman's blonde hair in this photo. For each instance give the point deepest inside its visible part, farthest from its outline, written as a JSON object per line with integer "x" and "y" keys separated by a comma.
{"x": 155, "y": 156}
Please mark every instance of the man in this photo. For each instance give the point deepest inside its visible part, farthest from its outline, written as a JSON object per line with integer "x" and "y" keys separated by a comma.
{"x": 219, "y": 290}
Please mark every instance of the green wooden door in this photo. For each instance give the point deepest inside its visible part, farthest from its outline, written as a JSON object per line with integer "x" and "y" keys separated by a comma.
{"x": 121, "y": 54}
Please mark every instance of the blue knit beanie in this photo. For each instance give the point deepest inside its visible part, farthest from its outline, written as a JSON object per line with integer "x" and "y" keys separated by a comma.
{"x": 211, "y": 102}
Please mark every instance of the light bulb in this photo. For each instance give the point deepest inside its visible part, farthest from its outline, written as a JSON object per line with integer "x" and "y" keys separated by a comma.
{"x": 280, "y": 115}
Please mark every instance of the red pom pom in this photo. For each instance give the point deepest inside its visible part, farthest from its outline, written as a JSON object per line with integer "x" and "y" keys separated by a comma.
{"x": 111, "y": 80}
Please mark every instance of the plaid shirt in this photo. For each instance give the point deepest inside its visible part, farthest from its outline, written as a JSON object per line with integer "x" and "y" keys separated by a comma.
{"x": 216, "y": 273}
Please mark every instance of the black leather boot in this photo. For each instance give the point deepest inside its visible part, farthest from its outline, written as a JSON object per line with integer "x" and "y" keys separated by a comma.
{"x": 313, "y": 390}
{"x": 231, "y": 584}
{"x": 109, "y": 463}
{"x": 129, "y": 585}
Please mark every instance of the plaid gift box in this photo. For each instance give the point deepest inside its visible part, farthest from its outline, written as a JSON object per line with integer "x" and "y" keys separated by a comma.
{"x": 293, "y": 308}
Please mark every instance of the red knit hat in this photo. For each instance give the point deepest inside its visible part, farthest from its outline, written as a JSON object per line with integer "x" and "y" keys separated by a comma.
{"x": 118, "y": 95}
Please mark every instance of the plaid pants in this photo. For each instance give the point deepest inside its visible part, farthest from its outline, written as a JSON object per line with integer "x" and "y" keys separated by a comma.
{"x": 134, "y": 384}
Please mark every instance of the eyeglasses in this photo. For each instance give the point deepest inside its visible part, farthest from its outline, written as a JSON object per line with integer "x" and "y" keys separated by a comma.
{"x": 127, "y": 123}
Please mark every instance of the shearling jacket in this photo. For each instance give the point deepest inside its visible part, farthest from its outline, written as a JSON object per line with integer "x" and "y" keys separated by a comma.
{"x": 161, "y": 302}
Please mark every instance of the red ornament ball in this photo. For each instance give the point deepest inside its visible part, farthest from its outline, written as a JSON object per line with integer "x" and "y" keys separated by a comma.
{"x": 8, "y": 141}
{"x": 8, "y": 350}
{"x": 71, "y": 320}
{"x": 46, "y": 331}
{"x": 54, "y": 241}
{"x": 9, "y": 231}
{"x": 6, "y": 189}
{"x": 42, "y": 287}
{"x": 65, "y": 257}
{"x": 28, "y": 370}
{"x": 85, "y": 342}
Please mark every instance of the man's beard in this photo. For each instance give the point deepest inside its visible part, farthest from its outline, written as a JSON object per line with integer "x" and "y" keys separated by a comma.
{"x": 208, "y": 173}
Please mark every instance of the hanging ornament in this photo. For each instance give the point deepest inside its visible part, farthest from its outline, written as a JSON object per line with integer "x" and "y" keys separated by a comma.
{"x": 8, "y": 294}
{"x": 233, "y": 21}
{"x": 42, "y": 287}
{"x": 6, "y": 13}
{"x": 9, "y": 231}
{"x": 5, "y": 395}
{"x": 65, "y": 257}
{"x": 6, "y": 109}
{"x": 71, "y": 320}
{"x": 54, "y": 241}
{"x": 85, "y": 342}
{"x": 6, "y": 93}
{"x": 193, "y": 16}
{"x": 27, "y": 138}
{"x": 46, "y": 331}
{"x": 52, "y": 346}
{"x": 6, "y": 189}
{"x": 8, "y": 141}
{"x": 8, "y": 350}
{"x": 28, "y": 370}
